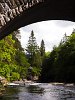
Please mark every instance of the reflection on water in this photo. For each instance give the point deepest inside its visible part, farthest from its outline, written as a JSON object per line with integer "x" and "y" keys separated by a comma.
{"x": 35, "y": 89}
{"x": 40, "y": 92}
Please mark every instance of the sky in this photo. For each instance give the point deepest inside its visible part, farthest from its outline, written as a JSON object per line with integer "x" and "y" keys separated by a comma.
{"x": 50, "y": 31}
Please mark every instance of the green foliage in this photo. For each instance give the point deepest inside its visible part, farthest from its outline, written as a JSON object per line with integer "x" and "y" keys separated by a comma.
{"x": 36, "y": 71}
{"x": 23, "y": 64}
{"x": 15, "y": 76}
{"x": 32, "y": 45}
{"x": 13, "y": 63}
{"x": 42, "y": 49}
{"x": 60, "y": 66}
{"x": 47, "y": 54}
{"x": 33, "y": 53}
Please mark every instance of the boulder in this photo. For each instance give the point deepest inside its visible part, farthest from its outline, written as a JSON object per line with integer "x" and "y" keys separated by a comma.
{"x": 3, "y": 81}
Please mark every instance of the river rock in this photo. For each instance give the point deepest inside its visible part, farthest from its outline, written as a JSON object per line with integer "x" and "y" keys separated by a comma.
{"x": 3, "y": 81}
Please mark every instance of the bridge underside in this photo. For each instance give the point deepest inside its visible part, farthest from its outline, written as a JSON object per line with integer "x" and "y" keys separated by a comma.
{"x": 48, "y": 10}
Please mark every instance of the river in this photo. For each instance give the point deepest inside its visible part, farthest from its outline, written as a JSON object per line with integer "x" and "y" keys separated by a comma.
{"x": 42, "y": 91}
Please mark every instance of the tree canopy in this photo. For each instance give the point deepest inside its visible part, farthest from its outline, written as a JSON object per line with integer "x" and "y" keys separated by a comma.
{"x": 12, "y": 58}
{"x": 57, "y": 65}
{"x": 60, "y": 65}
{"x": 33, "y": 54}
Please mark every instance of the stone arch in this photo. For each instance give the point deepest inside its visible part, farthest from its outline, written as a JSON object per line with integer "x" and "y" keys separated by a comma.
{"x": 48, "y": 10}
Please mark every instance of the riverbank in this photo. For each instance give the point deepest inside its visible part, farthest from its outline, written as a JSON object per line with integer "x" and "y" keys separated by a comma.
{"x": 2, "y": 90}
{"x": 65, "y": 84}
{"x": 23, "y": 82}
{"x": 29, "y": 82}
{"x": 5, "y": 83}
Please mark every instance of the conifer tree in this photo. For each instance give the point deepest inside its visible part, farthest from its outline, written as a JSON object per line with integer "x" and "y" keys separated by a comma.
{"x": 33, "y": 51}
{"x": 42, "y": 48}
{"x": 32, "y": 45}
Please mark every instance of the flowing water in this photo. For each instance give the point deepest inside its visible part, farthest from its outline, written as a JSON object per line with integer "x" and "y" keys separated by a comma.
{"x": 42, "y": 91}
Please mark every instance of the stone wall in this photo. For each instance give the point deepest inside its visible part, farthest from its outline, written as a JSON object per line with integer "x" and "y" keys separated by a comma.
{"x": 11, "y": 8}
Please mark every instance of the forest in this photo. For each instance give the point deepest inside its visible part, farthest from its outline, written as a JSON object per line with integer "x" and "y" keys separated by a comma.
{"x": 18, "y": 63}
{"x": 15, "y": 63}
{"x": 59, "y": 66}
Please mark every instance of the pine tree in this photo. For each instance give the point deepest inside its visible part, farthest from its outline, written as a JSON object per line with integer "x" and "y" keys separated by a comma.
{"x": 31, "y": 47}
{"x": 33, "y": 52}
{"x": 42, "y": 49}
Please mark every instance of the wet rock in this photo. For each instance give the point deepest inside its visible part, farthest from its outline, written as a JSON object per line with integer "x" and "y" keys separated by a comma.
{"x": 3, "y": 81}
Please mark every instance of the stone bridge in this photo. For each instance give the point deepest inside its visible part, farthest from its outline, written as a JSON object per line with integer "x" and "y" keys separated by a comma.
{"x": 18, "y": 13}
